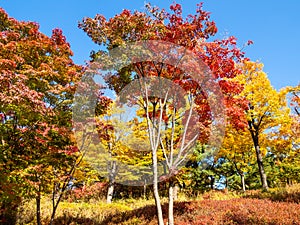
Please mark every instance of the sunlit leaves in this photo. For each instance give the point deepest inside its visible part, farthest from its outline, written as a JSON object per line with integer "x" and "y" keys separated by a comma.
{"x": 37, "y": 84}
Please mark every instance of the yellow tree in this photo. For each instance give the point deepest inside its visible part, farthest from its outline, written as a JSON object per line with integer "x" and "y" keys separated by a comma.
{"x": 295, "y": 103}
{"x": 295, "y": 100}
{"x": 238, "y": 149}
{"x": 286, "y": 141}
{"x": 266, "y": 111}
{"x": 296, "y": 128}
{"x": 122, "y": 154}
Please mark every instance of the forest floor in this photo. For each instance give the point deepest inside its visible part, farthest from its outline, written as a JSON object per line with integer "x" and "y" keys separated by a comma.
{"x": 276, "y": 207}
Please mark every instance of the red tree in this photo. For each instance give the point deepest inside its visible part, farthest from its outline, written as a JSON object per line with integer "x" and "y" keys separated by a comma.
{"x": 193, "y": 33}
{"x": 37, "y": 84}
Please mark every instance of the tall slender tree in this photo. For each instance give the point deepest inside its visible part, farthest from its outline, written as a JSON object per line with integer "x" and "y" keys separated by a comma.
{"x": 192, "y": 33}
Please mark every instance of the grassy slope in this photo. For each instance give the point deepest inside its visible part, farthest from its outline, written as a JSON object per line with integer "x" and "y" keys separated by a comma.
{"x": 279, "y": 206}
{"x": 234, "y": 211}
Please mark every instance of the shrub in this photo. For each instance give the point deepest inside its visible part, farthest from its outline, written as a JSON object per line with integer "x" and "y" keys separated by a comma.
{"x": 241, "y": 211}
{"x": 287, "y": 194}
{"x": 215, "y": 212}
{"x": 95, "y": 192}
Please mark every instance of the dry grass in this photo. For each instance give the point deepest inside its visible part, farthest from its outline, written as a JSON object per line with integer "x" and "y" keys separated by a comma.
{"x": 214, "y": 207}
{"x": 70, "y": 212}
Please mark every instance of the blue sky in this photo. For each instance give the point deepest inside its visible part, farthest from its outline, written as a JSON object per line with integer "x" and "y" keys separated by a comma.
{"x": 273, "y": 26}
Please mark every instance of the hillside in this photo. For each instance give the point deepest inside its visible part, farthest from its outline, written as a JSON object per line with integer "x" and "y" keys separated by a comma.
{"x": 276, "y": 207}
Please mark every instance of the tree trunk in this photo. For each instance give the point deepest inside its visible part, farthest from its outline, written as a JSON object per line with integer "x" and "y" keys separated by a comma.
{"x": 289, "y": 181}
{"x": 111, "y": 185}
{"x": 54, "y": 207}
{"x": 171, "y": 203}
{"x": 226, "y": 182}
{"x": 155, "y": 190}
{"x": 254, "y": 134}
{"x": 212, "y": 182}
{"x": 61, "y": 191}
{"x": 55, "y": 204}
{"x": 175, "y": 192}
{"x": 243, "y": 181}
{"x": 110, "y": 192}
{"x": 263, "y": 176}
{"x": 38, "y": 208}
{"x": 145, "y": 189}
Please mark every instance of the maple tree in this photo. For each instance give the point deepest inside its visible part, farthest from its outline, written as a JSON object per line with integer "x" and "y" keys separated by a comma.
{"x": 37, "y": 84}
{"x": 191, "y": 33}
{"x": 175, "y": 113}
